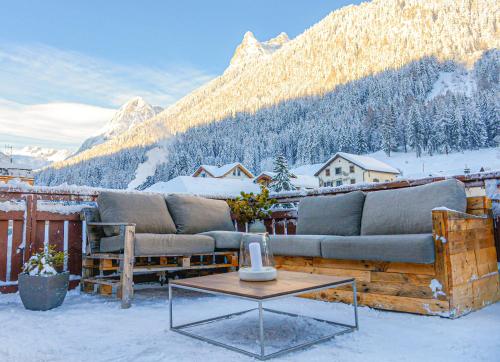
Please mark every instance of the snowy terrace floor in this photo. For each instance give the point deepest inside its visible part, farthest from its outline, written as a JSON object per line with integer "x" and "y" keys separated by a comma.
{"x": 89, "y": 328}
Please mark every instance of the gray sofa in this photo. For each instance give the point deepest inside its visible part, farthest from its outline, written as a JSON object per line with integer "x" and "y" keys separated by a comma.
{"x": 170, "y": 225}
{"x": 391, "y": 225}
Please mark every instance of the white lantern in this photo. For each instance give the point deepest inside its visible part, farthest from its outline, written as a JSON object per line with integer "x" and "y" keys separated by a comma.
{"x": 256, "y": 258}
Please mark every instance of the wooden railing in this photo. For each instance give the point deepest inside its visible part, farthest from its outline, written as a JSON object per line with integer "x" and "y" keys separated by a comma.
{"x": 30, "y": 218}
{"x": 34, "y": 216}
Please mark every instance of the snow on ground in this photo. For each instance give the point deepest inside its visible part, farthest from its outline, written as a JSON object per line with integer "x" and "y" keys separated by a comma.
{"x": 90, "y": 328}
{"x": 459, "y": 81}
{"x": 205, "y": 186}
{"x": 146, "y": 169}
{"x": 441, "y": 164}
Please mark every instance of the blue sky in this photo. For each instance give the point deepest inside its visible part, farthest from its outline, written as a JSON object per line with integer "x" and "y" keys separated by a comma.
{"x": 59, "y": 58}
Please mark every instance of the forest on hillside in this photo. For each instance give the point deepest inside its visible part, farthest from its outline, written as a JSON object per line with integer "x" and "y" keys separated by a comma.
{"x": 397, "y": 109}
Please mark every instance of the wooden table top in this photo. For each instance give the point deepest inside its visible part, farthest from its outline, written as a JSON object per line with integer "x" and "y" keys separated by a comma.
{"x": 287, "y": 283}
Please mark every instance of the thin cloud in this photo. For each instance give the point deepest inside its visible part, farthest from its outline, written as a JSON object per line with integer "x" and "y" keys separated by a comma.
{"x": 38, "y": 74}
{"x": 66, "y": 125}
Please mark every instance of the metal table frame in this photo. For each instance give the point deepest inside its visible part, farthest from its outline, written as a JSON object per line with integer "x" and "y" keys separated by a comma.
{"x": 262, "y": 356}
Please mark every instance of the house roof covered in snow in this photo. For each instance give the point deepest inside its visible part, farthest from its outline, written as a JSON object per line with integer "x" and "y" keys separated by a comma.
{"x": 309, "y": 170}
{"x": 223, "y": 170}
{"x": 204, "y": 186}
{"x": 365, "y": 162}
{"x": 299, "y": 181}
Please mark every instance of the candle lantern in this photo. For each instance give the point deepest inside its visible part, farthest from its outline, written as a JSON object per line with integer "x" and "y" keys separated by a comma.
{"x": 256, "y": 258}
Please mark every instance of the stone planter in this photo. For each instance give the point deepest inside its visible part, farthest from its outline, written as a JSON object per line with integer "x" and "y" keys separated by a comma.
{"x": 43, "y": 293}
{"x": 257, "y": 226}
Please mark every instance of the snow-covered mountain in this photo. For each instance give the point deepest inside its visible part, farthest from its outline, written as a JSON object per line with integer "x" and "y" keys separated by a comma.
{"x": 384, "y": 75}
{"x": 132, "y": 113}
{"x": 251, "y": 49}
{"x": 36, "y": 157}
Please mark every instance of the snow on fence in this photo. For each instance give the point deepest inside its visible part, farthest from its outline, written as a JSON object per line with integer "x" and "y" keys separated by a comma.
{"x": 30, "y": 217}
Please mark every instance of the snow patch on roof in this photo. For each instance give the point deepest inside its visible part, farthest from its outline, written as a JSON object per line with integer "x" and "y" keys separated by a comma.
{"x": 216, "y": 171}
{"x": 204, "y": 186}
{"x": 309, "y": 170}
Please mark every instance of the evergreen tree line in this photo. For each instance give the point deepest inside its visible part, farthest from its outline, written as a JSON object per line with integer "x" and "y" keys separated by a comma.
{"x": 396, "y": 110}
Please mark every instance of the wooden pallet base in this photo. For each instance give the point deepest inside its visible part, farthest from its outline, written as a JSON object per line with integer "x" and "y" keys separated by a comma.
{"x": 403, "y": 287}
{"x": 101, "y": 272}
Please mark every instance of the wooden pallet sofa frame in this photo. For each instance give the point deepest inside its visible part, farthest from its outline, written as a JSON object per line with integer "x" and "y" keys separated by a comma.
{"x": 126, "y": 236}
{"x": 463, "y": 277}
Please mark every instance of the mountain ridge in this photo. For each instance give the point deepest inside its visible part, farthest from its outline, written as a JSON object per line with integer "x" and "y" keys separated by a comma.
{"x": 350, "y": 44}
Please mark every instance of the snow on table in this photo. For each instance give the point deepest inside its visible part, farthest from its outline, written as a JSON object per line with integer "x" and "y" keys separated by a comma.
{"x": 88, "y": 328}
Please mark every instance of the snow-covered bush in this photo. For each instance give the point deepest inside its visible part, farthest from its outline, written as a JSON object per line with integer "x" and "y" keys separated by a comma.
{"x": 45, "y": 263}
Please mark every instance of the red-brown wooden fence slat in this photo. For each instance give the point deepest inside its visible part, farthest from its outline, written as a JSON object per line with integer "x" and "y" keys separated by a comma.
{"x": 39, "y": 230}
{"x": 11, "y": 215}
{"x": 16, "y": 261}
{"x": 56, "y": 234}
{"x": 4, "y": 229}
{"x": 75, "y": 247}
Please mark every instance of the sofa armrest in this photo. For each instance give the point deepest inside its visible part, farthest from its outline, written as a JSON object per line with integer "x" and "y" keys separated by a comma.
{"x": 465, "y": 259}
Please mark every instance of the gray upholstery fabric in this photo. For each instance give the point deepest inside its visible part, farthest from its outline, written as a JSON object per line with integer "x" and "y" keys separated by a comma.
{"x": 331, "y": 215}
{"x": 162, "y": 244}
{"x": 296, "y": 245}
{"x": 405, "y": 248}
{"x": 111, "y": 244}
{"x": 148, "y": 211}
{"x": 225, "y": 239}
{"x": 408, "y": 210}
{"x": 194, "y": 214}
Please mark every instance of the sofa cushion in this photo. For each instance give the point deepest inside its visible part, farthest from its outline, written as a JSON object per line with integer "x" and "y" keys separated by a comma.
{"x": 331, "y": 215}
{"x": 404, "y": 248}
{"x": 194, "y": 214}
{"x": 162, "y": 244}
{"x": 148, "y": 211}
{"x": 409, "y": 210}
{"x": 225, "y": 239}
{"x": 296, "y": 245}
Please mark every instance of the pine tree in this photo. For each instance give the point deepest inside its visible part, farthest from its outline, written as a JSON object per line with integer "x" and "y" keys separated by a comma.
{"x": 416, "y": 130}
{"x": 388, "y": 131}
{"x": 281, "y": 181}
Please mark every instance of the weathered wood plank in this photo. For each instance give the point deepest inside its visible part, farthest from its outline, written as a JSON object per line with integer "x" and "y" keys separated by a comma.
{"x": 4, "y": 228}
{"x": 16, "y": 258}
{"x": 127, "y": 270}
{"x": 380, "y": 266}
{"x": 75, "y": 247}
{"x": 11, "y": 215}
{"x": 387, "y": 302}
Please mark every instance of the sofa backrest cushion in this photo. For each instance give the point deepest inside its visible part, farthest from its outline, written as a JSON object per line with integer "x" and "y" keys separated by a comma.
{"x": 331, "y": 215}
{"x": 409, "y": 210}
{"x": 194, "y": 214}
{"x": 148, "y": 211}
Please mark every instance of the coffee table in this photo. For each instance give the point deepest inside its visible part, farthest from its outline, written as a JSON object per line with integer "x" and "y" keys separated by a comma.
{"x": 287, "y": 284}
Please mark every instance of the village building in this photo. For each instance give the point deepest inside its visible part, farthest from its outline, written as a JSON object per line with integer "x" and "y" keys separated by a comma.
{"x": 233, "y": 170}
{"x": 300, "y": 182}
{"x": 10, "y": 171}
{"x": 345, "y": 168}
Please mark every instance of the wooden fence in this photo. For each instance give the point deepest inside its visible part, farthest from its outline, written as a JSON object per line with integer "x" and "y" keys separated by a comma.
{"x": 30, "y": 218}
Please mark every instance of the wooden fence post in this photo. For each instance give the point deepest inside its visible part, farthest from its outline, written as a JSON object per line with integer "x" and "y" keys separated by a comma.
{"x": 127, "y": 273}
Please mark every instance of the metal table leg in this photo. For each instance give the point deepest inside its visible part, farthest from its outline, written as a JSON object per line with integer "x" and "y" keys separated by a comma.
{"x": 261, "y": 330}
{"x": 355, "y": 304}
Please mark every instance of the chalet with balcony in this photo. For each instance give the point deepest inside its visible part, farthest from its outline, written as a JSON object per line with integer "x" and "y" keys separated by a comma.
{"x": 231, "y": 171}
{"x": 345, "y": 169}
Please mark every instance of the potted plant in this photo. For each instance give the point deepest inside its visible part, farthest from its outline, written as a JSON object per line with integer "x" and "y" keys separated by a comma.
{"x": 251, "y": 209}
{"x": 42, "y": 284}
